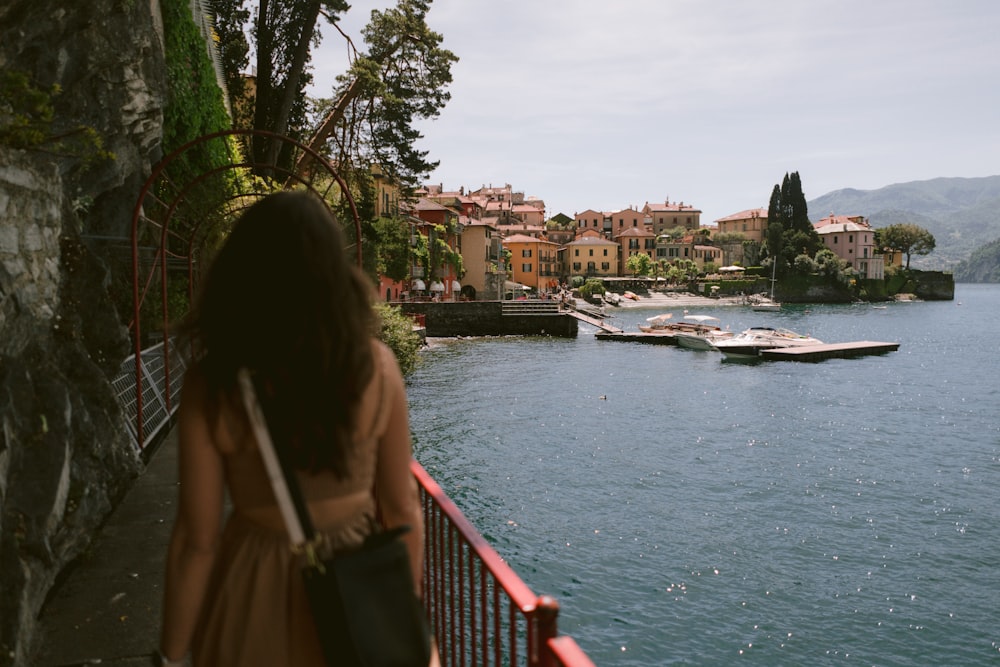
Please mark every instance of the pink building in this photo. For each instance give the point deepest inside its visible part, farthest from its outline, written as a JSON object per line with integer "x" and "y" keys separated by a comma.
{"x": 852, "y": 239}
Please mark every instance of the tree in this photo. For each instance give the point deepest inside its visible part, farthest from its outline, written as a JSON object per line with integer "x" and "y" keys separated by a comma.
{"x": 284, "y": 31}
{"x": 396, "y": 331}
{"x": 639, "y": 264}
{"x": 788, "y": 209}
{"x": 401, "y": 79}
{"x": 906, "y": 238}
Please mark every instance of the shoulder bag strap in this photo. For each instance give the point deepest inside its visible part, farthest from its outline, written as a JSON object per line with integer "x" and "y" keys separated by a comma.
{"x": 282, "y": 477}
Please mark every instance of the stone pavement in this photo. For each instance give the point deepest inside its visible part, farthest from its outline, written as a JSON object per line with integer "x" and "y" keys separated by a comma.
{"x": 107, "y": 609}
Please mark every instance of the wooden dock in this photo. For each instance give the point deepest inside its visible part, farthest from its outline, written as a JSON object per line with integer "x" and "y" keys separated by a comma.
{"x": 637, "y": 337}
{"x": 593, "y": 321}
{"x": 828, "y": 351}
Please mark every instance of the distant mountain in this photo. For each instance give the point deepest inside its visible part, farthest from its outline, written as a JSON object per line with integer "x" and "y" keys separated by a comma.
{"x": 982, "y": 267}
{"x": 963, "y": 214}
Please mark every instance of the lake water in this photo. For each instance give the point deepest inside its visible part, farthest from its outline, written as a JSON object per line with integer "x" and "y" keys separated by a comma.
{"x": 711, "y": 513}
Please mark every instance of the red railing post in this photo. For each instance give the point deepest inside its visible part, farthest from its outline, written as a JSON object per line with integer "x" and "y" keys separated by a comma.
{"x": 545, "y": 627}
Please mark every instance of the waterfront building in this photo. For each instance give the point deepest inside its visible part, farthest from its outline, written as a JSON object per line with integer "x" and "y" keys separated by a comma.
{"x": 534, "y": 262}
{"x": 436, "y": 221}
{"x": 592, "y": 220}
{"x": 671, "y": 250}
{"x": 634, "y": 241}
{"x": 670, "y": 215}
{"x": 852, "y": 239}
{"x": 484, "y": 272}
{"x": 591, "y": 255}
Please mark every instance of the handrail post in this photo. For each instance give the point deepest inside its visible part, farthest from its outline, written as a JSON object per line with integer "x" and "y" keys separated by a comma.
{"x": 546, "y": 628}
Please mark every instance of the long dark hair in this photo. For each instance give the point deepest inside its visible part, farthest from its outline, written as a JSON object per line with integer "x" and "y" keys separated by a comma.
{"x": 282, "y": 299}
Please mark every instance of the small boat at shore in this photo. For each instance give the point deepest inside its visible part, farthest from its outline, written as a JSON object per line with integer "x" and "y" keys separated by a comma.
{"x": 749, "y": 343}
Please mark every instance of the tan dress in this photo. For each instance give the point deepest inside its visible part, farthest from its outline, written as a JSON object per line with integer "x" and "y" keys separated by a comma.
{"x": 256, "y": 611}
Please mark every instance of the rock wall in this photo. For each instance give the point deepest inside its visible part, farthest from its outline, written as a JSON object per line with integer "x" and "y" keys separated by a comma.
{"x": 65, "y": 458}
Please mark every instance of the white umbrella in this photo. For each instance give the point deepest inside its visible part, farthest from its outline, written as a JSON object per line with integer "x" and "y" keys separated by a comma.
{"x": 418, "y": 285}
{"x": 437, "y": 286}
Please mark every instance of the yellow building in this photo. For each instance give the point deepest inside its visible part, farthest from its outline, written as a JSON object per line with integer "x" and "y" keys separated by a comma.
{"x": 751, "y": 223}
{"x": 592, "y": 256}
{"x": 386, "y": 194}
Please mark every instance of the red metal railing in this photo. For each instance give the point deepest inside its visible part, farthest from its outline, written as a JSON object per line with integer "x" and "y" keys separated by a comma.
{"x": 482, "y": 613}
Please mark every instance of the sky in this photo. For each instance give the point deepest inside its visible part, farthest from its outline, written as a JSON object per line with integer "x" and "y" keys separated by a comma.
{"x": 606, "y": 104}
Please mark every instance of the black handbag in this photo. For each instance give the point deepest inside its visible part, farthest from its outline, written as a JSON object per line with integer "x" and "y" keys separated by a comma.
{"x": 362, "y": 601}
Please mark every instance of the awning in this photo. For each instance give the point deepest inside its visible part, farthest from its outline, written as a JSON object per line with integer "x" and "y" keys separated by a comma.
{"x": 511, "y": 285}
{"x": 456, "y": 286}
{"x": 437, "y": 286}
{"x": 419, "y": 285}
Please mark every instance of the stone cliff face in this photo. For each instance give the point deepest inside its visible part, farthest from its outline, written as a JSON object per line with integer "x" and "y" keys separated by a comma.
{"x": 65, "y": 458}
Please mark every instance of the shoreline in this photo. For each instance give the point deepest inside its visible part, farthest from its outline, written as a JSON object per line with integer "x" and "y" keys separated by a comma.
{"x": 674, "y": 299}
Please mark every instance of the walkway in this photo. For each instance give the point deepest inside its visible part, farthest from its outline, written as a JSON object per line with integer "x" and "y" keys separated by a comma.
{"x": 107, "y": 610}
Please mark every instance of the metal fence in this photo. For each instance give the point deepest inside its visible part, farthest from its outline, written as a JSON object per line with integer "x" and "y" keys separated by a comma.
{"x": 482, "y": 612}
{"x": 144, "y": 394}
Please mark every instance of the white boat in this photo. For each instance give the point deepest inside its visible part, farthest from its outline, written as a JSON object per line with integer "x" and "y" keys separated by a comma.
{"x": 702, "y": 341}
{"x": 703, "y": 335}
{"x": 661, "y": 324}
{"x": 765, "y": 303}
{"x": 749, "y": 343}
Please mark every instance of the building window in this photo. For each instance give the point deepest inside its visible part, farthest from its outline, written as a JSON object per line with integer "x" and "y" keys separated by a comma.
{"x": 605, "y": 266}
{"x": 526, "y": 268}
{"x": 526, "y": 252}
{"x": 576, "y": 266}
{"x": 850, "y": 238}
{"x": 576, "y": 252}
{"x": 835, "y": 240}
{"x": 605, "y": 252}
{"x": 591, "y": 252}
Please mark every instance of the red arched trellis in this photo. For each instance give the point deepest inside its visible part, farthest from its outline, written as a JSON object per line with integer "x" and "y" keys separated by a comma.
{"x": 176, "y": 209}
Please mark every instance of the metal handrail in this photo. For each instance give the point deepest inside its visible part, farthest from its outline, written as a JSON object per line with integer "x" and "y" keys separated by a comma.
{"x": 466, "y": 586}
{"x": 466, "y": 583}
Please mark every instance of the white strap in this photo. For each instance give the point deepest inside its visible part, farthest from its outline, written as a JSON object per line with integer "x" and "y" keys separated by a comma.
{"x": 266, "y": 446}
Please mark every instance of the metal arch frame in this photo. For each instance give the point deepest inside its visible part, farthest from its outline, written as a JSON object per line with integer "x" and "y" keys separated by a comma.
{"x": 160, "y": 173}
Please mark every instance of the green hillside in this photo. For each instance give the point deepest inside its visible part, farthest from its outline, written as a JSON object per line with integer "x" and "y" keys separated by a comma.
{"x": 963, "y": 214}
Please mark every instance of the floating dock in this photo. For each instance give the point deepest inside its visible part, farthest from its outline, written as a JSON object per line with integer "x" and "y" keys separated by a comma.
{"x": 637, "y": 337}
{"x": 828, "y": 351}
{"x": 801, "y": 353}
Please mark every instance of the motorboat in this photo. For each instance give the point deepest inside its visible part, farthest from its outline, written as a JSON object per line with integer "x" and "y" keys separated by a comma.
{"x": 662, "y": 324}
{"x": 658, "y": 324}
{"x": 702, "y": 341}
{"x": 749, "y": 343}
{"x": 702, "y": 335}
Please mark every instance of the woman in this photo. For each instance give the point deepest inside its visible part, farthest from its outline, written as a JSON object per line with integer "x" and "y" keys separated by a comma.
{"x": 281, "y": 300}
